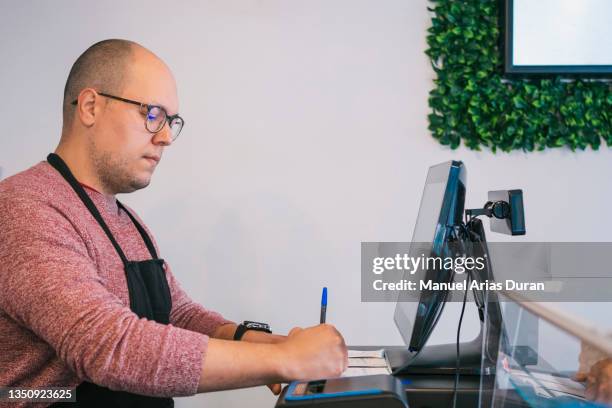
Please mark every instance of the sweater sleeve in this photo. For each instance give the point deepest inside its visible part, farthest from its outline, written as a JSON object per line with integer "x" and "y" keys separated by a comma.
{"x": 49, "y": 284}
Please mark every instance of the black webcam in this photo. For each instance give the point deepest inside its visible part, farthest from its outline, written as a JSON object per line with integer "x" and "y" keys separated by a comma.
{"x": 506, "y": 210}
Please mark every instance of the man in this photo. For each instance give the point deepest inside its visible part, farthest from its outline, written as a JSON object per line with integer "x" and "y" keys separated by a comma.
{"x": 85, "y": 301}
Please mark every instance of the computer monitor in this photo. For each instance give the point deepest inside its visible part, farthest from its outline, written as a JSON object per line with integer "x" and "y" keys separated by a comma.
{"x": 440, "y": 212}
{"x": 440, "y": 232}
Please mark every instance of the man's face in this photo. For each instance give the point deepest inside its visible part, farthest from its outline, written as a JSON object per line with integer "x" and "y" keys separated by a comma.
{"x": 123, "y": 152}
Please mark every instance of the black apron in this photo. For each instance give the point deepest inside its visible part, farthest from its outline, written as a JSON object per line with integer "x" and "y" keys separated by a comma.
{"x": 149, "y": 298}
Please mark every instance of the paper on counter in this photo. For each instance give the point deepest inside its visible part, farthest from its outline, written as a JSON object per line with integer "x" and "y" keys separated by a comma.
{"x": 561, "y": 384}
{"x": 366, "y": 362}
{"x": 553, "y": 384}
{"x": 380, "y": 353}
{"x": 359, "y": 371}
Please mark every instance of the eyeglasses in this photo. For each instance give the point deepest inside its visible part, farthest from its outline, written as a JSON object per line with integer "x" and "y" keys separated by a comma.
{"x": 155, "y": 116}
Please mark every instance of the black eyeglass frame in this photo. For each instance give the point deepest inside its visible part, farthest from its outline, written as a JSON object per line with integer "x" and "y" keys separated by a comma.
{"x": 169, "y": 118}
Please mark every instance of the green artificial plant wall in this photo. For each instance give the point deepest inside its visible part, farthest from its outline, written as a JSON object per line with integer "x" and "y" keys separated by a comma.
{"x": 472, "y": 100}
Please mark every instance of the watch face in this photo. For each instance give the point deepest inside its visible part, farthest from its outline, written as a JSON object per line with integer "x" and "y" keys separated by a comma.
{"x": 256, "y": 326}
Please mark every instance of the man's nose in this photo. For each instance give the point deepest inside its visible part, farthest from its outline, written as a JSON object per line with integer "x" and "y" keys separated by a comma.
{"x": 164, "y": 136}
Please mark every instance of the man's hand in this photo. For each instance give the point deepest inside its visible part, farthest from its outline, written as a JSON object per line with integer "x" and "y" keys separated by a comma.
{"x": 315, "y": 352}
{"x": 598, "y": 381}
{"x": 261, "y": 337}
{"x": 275, "y": 388}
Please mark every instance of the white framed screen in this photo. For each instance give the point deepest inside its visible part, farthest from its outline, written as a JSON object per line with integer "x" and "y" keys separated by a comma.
{"x": 559, "y": 36}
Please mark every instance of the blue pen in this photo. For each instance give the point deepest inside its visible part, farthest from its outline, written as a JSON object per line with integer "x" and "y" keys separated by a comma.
{"x": 323, "y": 305}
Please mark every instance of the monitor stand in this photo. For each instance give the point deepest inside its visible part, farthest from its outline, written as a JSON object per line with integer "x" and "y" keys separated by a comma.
{"x": 438, "y": 359}
{"x": 477, "y": 356}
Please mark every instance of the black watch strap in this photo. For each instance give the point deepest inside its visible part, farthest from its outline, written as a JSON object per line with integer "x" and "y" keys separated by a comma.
{"x": 249, "y": 325}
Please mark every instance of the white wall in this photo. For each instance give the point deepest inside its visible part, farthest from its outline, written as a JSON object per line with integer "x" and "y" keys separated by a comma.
{"x": 305, "y": 134}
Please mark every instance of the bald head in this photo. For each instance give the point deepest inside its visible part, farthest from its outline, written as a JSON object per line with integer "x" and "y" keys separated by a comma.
{"x": 102, "y": 66}
{"x": 107, "y": 142}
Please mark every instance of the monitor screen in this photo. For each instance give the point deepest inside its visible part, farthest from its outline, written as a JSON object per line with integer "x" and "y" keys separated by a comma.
{"x": 559, "y": 36}
{"x": 441, "y": 209}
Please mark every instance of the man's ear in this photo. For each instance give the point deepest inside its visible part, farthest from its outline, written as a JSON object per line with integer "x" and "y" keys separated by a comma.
{"x": 88, "y": 107}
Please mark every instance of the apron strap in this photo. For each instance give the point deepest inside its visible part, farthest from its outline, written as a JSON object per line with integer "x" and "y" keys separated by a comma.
{"x": 143, "y": 233}
{"x": 59, "y": 165}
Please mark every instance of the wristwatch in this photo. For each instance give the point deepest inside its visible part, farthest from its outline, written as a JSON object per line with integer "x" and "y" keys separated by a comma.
{"x": 248, "y": 325}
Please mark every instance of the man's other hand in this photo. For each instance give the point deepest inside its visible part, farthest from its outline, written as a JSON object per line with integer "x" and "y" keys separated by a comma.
{"x": 598, "y": 381}
{"x": 314, "y": 352}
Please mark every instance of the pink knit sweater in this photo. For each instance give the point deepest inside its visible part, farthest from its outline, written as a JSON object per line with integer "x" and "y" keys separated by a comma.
{"x": 64, "y": 304}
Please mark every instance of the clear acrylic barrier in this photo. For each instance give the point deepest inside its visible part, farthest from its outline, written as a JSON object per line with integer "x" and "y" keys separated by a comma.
{"x": 544, "y": 358}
